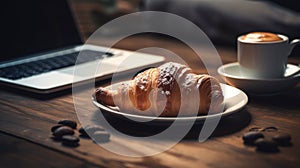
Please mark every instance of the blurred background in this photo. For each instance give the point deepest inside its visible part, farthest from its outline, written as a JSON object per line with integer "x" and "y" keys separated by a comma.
{"x": 222, "y": 21}
{"x": 92, "y": 14}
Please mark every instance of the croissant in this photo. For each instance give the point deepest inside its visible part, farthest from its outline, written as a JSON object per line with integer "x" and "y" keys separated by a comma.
{"x": 165, "y": 91}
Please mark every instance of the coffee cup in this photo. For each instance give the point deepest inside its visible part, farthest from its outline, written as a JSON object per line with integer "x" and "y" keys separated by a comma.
{"x": 264, "y": 55}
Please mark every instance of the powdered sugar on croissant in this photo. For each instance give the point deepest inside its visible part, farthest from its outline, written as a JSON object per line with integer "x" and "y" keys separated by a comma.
{"x": 169, "y": 90}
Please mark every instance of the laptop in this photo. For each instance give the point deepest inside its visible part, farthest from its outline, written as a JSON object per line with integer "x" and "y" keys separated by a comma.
{"x": 40, "y": 44}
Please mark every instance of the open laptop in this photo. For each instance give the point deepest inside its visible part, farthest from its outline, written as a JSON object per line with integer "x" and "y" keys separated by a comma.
{"x": 40, "y": 44}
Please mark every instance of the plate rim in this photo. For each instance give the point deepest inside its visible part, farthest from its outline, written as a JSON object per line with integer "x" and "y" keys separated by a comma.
{"x": 184, "y": 118}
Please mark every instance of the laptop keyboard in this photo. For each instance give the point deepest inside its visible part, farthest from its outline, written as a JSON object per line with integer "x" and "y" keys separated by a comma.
{"x": 45, "y": 65}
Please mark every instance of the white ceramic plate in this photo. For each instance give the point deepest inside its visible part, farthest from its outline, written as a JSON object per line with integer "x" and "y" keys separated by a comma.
{"x": 235, "y": 100}
{"x": 232, "y": 75}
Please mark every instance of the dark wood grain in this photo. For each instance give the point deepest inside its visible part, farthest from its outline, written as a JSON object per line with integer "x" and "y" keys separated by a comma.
{"x": 32, "y": 118}
{"x": 26, "y": 141}
{"x": 16, "y": 152}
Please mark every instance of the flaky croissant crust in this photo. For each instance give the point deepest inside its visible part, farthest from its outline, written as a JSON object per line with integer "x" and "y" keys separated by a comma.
{"x": 169, "y": 90}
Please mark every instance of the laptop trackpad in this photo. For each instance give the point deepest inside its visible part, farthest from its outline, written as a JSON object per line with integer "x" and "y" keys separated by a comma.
{"x": 47, "y": 81}
{"x": 91, "y": 70}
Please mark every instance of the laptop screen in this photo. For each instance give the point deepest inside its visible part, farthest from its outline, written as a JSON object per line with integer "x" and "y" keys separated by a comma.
{"x": 33, "y": 26}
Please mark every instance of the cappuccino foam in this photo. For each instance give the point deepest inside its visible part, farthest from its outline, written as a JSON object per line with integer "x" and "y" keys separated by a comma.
{"x": 261, "y": 37}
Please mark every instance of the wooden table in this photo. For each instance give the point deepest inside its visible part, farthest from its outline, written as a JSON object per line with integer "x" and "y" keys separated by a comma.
{"x": 26, "y": 121}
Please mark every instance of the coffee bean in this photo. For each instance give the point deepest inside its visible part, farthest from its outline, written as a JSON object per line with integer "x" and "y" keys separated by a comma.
{"x": 265, "y": 145}
{"x": 255, "y": 129}
{"x": 69, "y": 123}
{"x": 282, "y": 139}
{"x": 250, "y": 137}
{"x": 55, "y": 127}
{"x": 82, "y": 131}
{"x": 70, "y": 140}
{"x": 61, "y": 131}
{"x": 270, "y": 129}
{"x": 101, "y": 136}
{"x": 90, "y": 129}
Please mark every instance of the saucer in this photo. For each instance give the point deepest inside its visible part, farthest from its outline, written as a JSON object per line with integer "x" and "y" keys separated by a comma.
{"x": 231, "y": 74}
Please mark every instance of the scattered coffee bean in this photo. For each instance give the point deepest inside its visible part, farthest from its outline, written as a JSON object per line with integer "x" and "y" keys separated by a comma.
{"x": 70, "y": 140}
{"x": 250, "y": 137}
{"x": 270, "y": 129}
{"x": 282, "y": 139}
{"x": 65, "y": 129}
{"x": 61, "y": 131}
{"x": 255, "y": 129}
{"x": 82, "y": 131}
{"x": 101, "y": 136}
{"x": 90, "y": 129}
{"x": 267, "y": 139}
{"x": 55, "y": 127}
{"x": 69, "y": 123}
{"x": 265, "y": 145}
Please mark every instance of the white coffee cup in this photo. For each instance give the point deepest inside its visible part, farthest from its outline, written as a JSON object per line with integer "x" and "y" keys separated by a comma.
{"x": 264, "y": 58}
